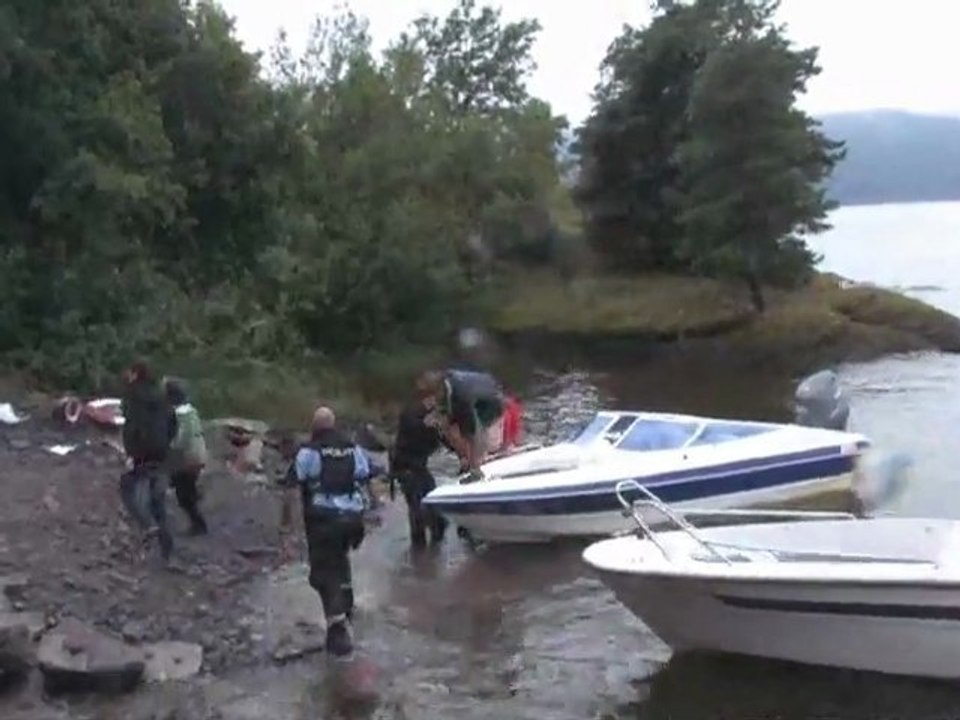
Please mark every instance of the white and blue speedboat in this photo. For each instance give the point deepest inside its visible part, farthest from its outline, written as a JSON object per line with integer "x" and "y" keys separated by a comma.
{"x": 569, "y": 489}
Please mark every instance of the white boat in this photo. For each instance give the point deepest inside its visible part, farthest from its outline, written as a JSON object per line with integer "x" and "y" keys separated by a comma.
{"x": 568, "y": 489}
{"x": 876, "y": 594}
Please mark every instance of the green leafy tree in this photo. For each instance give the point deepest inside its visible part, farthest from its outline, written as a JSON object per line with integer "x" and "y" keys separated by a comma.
{"x": 472, "y": 60}
{"x": 695, "y": 157}
{"x": 466, "y": 74}
{"x": 754, "y": 165}
{"x": 160, "y": 193}
{"x": 628, "y": 184}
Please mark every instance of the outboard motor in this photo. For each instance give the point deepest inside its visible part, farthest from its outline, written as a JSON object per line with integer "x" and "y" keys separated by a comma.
{"x": 820, "y": 402}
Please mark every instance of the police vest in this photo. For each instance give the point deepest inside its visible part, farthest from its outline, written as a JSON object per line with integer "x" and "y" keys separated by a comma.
{"x": 337, "y": 465}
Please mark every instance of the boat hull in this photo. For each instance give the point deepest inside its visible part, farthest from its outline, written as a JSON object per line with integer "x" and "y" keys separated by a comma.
{"x": 861, "y": 626}
{"x": 544, "y": 527}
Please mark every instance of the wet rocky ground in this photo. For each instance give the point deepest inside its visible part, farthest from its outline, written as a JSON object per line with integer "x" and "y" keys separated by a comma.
{"x": 79, "y": 577}
{"x": 521, "y": 632}
{"x": 440, "y": 633}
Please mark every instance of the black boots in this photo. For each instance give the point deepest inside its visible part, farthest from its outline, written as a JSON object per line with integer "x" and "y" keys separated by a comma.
{"x": 198, "y": 526}
{"x": 339, "y": 643}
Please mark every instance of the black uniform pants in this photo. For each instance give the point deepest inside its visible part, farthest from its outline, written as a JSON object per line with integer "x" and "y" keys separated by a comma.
{"x": 416, "y": 484}
{"x": 188, "y": 495}
{"x": 330, "y": 538}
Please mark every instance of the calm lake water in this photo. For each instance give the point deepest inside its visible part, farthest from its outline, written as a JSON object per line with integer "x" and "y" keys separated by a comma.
{"x": 528, "y": 633}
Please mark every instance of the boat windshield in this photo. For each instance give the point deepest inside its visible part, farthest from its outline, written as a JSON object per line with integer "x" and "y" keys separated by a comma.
{"x": 648, "y": 435}
{"x": 629, "y": 431}
{"x": 658, "y": 434}
{"x": 588, "y": 434}
{"x": 721, "y": 432}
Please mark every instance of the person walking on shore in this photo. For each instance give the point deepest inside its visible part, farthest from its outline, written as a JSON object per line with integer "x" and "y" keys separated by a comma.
{"x": 149, "y": 427}
{"x": 329, "y": 469}
{"x": 188, "y": 455}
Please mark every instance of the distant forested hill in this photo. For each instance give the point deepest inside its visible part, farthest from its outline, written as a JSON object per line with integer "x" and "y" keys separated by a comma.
{"x": 895, "y": 156}
{"x": 892, "y": 156}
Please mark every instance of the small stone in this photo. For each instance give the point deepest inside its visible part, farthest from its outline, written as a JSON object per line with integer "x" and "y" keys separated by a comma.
{"x": 257, "y": 552}
{"x": 172, "y": 661}
{"x": 50, "y": 502}
{"x": 293, "y": 647}
{"x": 16, "y": 647}
{"x": 35, "y": 622}
{"x": 13, "y": 583}
{"x": 134, "y": 631}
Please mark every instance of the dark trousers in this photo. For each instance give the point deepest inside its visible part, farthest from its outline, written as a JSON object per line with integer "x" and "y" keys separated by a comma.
{"x": 144, "y": 492}
{"x": 188, "y": 496}
{"x": 329, "y": 541}
{"x": 416, "y": 484}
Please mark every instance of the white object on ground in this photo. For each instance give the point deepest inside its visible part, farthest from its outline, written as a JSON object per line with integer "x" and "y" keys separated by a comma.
{"x": 9, "y": 416}
{"x": 61, "y": 450}
{"x": 106, "y": 411}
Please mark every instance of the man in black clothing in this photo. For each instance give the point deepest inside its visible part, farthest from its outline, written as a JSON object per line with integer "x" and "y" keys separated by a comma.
{"x": 415, "y": 442}
{"x": 149, "y": 427}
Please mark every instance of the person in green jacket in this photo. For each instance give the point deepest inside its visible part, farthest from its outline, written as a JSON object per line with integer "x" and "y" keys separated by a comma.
{"x": 188, "y": 455}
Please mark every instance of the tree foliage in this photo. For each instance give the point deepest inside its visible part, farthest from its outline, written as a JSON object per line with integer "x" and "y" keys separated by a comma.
{"x": 696, "y": 156}
{"x": 164, "y": 191}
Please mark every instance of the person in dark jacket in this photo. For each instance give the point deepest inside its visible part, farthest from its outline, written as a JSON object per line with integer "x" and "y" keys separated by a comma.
{"x": 415, "y": 442}
{"x": 468, "y": 404}
{"x": 329, "y": 470}
{"x": 149, "y": 427}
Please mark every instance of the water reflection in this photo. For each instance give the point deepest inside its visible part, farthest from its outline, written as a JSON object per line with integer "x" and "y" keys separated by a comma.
{"x": 705, "y": 687}
{"x": 526, "y": 631}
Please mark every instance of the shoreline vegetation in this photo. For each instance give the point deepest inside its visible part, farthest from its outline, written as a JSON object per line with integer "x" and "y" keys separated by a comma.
{"x": 831, "y": 321}
{"x": 282, "y": 230}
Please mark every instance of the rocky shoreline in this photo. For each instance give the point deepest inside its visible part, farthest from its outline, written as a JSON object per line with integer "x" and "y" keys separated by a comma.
{"x": 87, "y": 607}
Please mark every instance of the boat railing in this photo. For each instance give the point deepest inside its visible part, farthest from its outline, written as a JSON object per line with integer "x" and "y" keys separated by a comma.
{"x": 634, "y": 508}
{"x": 651, "y": 499}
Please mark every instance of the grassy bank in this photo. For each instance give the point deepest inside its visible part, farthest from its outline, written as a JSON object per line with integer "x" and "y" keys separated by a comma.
{"x": 827, "y": 322}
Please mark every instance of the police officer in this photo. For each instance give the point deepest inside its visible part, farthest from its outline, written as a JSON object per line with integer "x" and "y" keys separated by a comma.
{"x": 415, "y": 442}
{"x": 329, "y": 469}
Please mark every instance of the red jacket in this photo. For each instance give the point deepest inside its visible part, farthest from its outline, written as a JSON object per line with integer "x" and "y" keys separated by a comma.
{"x": 512, "y": 422}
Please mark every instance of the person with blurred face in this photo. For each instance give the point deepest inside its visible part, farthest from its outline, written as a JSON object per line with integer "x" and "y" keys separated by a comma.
{"x": 149, "y": 427}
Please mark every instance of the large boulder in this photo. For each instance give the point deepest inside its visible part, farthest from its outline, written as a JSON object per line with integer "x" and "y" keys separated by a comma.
{"x": 77, "y": 658}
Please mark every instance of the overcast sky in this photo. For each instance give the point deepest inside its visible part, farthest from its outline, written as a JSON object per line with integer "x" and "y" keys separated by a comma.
{"x": 874, "y": 53}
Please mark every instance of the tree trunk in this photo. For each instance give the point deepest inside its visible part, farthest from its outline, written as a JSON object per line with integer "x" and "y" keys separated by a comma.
{"x": 756, "y": 293}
